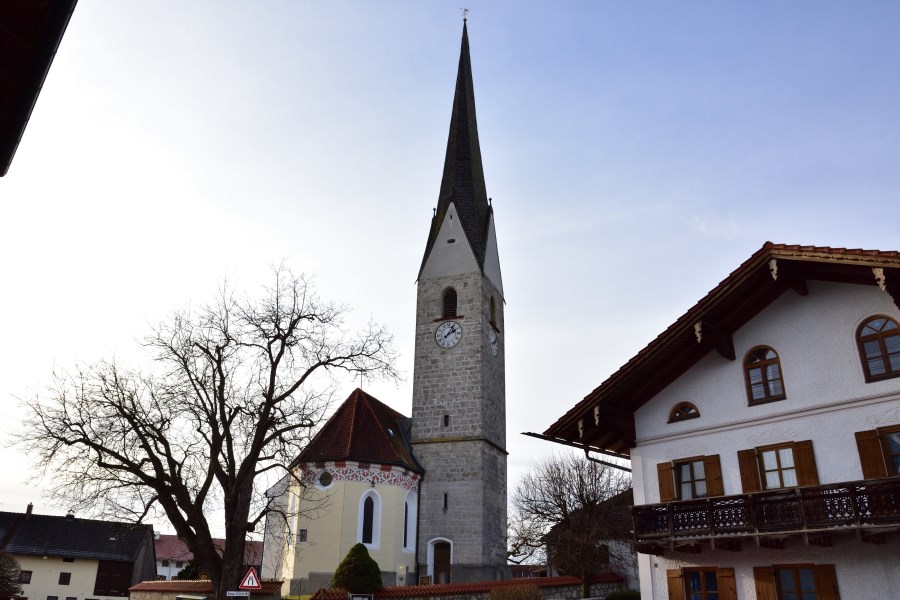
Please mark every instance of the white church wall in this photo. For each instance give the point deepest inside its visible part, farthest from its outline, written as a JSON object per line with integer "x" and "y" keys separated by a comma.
{"x": 335, "y": 524}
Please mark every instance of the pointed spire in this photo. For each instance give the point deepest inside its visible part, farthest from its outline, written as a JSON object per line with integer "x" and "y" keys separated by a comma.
{"x": 463, "y": 179}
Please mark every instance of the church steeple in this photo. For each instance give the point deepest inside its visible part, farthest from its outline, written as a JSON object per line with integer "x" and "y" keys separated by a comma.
{"x": 463, "y": 180}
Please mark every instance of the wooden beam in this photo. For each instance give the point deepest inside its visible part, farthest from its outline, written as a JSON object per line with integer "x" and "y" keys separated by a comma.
{"x": 773, "y": 544}
{"x": 690, "y": 548}
{"x": 874, "y": 538}
{"x": 654, "y": 549}
{"x": 822, "y": 540}
{"x": 727, "y": 545}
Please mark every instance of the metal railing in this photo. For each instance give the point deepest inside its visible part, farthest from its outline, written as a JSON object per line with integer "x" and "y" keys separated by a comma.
{"x": 821, "y": 507}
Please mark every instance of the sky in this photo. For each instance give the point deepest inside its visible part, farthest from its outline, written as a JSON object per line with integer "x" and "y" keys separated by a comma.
{"x": 636, "y": 153}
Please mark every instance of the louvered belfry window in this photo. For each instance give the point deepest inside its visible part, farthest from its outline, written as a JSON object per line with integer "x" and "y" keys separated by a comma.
{"x": 449, "y": 303}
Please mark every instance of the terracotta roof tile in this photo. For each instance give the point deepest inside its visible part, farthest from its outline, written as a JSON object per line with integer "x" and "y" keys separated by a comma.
{"x": 366, "y": 430}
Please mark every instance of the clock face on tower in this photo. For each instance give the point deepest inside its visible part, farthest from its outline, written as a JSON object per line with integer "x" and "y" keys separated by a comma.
{"x": 448, "y": 334}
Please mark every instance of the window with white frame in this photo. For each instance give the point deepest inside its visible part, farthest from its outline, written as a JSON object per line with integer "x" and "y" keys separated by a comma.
{"x": 368, "y": 531}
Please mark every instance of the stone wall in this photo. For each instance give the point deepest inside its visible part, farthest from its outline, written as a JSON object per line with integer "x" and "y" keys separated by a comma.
{"x": 459, "y": 428}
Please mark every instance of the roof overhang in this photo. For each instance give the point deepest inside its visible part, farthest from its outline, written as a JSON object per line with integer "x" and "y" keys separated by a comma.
{"x": 604, "y": 419}
{"x": 30, "y": 33}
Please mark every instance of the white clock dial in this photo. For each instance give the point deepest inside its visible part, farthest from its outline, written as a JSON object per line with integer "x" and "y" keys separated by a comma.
{"x": 448, "y": 334}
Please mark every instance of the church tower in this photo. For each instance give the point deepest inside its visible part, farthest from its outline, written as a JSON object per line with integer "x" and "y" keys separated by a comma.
{"x": 459, "y": 397}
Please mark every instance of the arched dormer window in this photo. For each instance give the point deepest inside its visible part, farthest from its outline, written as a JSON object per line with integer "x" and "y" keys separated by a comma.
{"x": 878, "y": 339}
{"x": 448, "y": 303}
{"x": 368, "y": 530}
{"x": 762, "y": 371}
{"x": 682, "y": 412}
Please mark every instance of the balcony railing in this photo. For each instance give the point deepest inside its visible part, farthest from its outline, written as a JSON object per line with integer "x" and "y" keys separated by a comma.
{"x": 857, "y": 504}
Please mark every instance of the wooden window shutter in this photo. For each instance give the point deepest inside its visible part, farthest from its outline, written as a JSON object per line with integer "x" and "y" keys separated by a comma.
{"x": 749, "y": 471}
{"x": 870, "y": 457}
{"x": 676, "y": 584}
{"x": 727, "y": 586}
{"x": 713, "y": 470}
{"x": 805, "y": 461}
{"x": 764, "y": 580}
{"x": 665, "y": 474}
{"x": 826, "y": 582}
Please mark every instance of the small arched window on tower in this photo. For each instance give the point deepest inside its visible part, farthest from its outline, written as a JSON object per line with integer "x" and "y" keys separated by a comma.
{"x": 448, "y": 303}
{"x": 494, "y": 313}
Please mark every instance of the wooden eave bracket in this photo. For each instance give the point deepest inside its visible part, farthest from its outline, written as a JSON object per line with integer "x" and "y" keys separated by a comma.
{"x": 721, "y": 339}
{"x": 892, "y": 287}
{"x": 789, "y": 277}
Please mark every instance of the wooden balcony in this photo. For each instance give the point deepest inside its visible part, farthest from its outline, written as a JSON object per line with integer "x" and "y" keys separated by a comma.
{"x": 871, "y": 508}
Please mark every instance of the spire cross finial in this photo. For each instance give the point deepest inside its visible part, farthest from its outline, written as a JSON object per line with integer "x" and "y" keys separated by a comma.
{"x": 465, "y": 12}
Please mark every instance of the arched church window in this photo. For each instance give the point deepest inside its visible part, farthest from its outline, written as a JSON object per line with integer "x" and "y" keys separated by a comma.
{"x": 448, "y": 303}
{"x": 368, "y": 530}
{"x": 409, "y": 522}
{"x": 368, "y": 518}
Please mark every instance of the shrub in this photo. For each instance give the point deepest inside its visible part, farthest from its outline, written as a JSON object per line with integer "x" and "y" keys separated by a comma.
{"x": 358, "y": 573}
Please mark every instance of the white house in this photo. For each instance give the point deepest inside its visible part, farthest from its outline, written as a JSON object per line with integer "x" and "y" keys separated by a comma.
{"x": 763, "y": 429}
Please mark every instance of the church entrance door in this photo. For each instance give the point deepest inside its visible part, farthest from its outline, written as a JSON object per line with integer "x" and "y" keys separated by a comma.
{"x": 442, "y": 562}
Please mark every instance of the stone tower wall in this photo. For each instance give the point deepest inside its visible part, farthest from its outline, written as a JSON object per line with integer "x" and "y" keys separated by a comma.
{"x": 465, "y": 459}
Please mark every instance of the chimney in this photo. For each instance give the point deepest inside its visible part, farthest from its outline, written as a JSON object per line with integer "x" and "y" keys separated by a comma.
{"x": 28, "y": 510}
{"x": 70, "y": 516}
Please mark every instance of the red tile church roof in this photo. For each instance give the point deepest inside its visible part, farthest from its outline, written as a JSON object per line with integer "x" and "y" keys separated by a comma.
{"x": 366, "y": 430}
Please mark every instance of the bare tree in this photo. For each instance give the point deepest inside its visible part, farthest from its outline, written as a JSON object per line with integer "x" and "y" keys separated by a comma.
{"x": 231, "y": 397}
{"x": 10, "y": 575}
{"x": 576, "y": 509}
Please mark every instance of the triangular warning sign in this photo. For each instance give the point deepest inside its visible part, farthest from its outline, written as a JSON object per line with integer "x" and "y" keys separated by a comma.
{"x": 250, "y": 581}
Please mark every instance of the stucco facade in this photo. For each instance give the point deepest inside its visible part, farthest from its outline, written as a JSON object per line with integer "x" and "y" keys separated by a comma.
{"x": 828, "y": 401}
{"x": 326, "y": 521}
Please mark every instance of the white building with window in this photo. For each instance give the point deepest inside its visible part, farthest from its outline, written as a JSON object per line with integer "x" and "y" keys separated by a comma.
{"x": 763, "y": 429}
{"x": 358, "y": 483}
